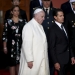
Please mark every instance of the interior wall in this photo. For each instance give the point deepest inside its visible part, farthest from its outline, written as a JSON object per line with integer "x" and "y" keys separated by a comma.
{"x": 57, "y": 3}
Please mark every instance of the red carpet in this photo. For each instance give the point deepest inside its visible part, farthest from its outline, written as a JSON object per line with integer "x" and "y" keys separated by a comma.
{"x": 6, "y": 72}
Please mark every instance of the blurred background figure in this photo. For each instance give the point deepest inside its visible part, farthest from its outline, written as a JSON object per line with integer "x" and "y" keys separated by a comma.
{"x": 67, "y": 7}
{"x": 12, "y": 39}
{"x": 70, "y": 22}
{"x": 35, "y": 4}
{"x": 22, "y": 12}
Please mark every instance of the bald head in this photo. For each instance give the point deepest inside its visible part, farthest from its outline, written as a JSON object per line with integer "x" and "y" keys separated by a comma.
{"x": 39, "y": 15}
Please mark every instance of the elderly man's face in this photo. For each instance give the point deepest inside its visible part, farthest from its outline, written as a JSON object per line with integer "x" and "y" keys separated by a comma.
{"x": 46, "y": 3}
{"x": 40, "y": 17}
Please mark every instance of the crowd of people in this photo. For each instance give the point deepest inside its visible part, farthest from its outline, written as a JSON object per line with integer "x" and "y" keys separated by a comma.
{"x": 45, "y": 43}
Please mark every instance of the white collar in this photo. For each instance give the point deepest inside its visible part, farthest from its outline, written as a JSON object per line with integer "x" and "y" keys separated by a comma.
{"x": 59, "y": 24}
{"x": 47, "y": 8}
{"x": 35, "y": 22}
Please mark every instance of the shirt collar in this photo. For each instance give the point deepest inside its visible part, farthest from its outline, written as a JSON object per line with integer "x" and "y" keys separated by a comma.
{"x": 47, "y": 8}
{"x": 59, "y": 24}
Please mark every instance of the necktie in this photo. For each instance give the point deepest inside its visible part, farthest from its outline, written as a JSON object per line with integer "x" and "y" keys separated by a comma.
{"x": 62, "y": 27}
{"x": 46, "y": 10}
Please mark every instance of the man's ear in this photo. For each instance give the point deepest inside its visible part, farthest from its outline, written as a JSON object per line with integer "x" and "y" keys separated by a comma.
{"x": 55, "y": 17}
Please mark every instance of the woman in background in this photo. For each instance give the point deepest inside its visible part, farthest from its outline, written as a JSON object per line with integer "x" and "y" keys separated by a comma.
{"x": 12, "y": 38}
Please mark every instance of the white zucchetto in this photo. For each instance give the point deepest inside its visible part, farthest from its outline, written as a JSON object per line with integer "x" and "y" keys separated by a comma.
{"x": 37, "y": 10}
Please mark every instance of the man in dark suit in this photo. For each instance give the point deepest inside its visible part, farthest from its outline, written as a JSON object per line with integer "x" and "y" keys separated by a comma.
{"x": 49, "y": 20}
{"x": 35, "y": 4}
{"x": 66, "y": 7}
{"x": 59, "y": 44}
{"x": 70, "y": 22}
{"x": 22, "y": 12}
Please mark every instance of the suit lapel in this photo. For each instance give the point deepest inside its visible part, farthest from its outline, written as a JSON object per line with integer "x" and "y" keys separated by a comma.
{"x": 59, "y": 29}
{"x": 66, "y": 30}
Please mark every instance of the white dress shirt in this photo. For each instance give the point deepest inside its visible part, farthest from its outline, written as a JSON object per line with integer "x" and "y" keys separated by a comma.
{"x": 59, "y": 24}
{"x": 47, "y": 10}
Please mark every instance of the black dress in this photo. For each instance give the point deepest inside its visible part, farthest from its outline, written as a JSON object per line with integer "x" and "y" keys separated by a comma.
{"x": 12, "y": 34}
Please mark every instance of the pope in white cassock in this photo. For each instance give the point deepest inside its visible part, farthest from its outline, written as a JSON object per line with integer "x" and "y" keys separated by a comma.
{"x": 34, "y": 56}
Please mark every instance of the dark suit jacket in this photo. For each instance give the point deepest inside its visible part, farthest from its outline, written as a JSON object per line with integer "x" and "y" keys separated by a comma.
{"x": 49, "y": 20}
{"x": 22, "y": 13}
{"x": 66, "y": 7}
{"x": 35, "y": 4}
{"x": 58, "y": 45}
{"x": 70, "y": 22}
{"x": 47, "y": 23}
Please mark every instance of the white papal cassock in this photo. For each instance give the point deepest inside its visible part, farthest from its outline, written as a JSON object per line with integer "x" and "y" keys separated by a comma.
{"x": 34, "y": 48}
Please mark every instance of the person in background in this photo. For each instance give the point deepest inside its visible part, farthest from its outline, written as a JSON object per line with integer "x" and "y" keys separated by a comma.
{"x": 67, "y": 7}
{"x": 70, "y": 22}
{"x": 59, "y": 44}
{"x": 22, "y": 12}
{"x": 70, "y": 16}
{"x": 34, "y": 56}
{"x": 33, "y": 5}
{"x": 36, "y": 4}
{"x": 12, "y": 38}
